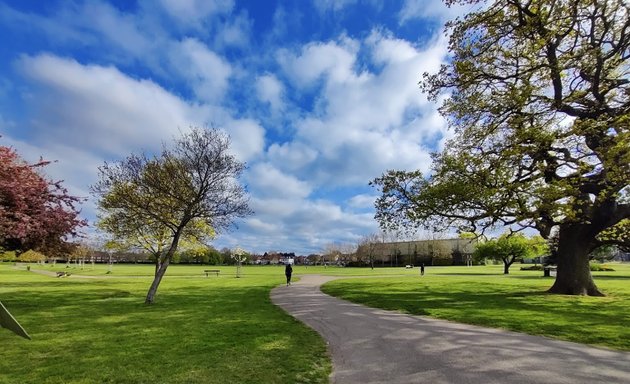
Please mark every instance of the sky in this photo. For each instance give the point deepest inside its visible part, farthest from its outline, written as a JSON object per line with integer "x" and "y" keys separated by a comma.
{"x": 319, "y": 98}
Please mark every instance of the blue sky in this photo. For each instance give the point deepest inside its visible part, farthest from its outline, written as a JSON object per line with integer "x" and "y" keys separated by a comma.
{"x": 319, "y": 97}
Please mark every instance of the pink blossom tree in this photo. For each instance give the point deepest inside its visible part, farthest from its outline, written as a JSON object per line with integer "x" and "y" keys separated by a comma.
{"x": 35, "y": 213}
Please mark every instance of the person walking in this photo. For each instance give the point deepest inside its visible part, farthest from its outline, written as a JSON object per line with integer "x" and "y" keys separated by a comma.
{"x": 422, "y": 269}
{"x": 288, "y": 270}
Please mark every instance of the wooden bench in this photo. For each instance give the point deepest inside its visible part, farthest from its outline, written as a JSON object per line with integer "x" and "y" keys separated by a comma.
{"x": 209, "y": 271}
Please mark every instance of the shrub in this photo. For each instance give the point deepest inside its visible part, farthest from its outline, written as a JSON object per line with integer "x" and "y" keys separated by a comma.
{"x": 601, "y": 268}
{"x": 31, "y": 256}
{"x": 532, "y": 268}
{"x": 8, "y": 256}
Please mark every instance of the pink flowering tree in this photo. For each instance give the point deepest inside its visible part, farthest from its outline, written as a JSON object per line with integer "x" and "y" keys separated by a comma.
{"x": 35, "y": 213}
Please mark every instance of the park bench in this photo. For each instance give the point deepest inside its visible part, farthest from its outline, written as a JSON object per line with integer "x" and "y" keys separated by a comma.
{"x": 549, "y": 271}
{"x": 209, "y": 271}
{"x": 62, "y": 274}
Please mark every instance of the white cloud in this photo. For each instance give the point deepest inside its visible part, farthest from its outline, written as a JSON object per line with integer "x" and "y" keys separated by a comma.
{"x": 248, "y": 138}
{"x": 430, "y": 9}
{"x": 120, "y": 29}
{"x": 207, "y": 73}
{"x": 362, "y": 201}
{"x": 332, "y": 5}
{"x": 100, "y": 107}
{"x": 291, "y": 156}
{"x": 270, "y": 90}
{"x": 271, "y": 182}
{"x": 234, "y": 32}
{"x": 333, "y": 60}
{"x": 365, "y": 122}
{"x": 193, "y": 11}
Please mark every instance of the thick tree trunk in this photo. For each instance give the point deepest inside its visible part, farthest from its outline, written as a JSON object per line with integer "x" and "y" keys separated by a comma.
{"x": 574, "y": 274}
{"x": 506, "y": 267}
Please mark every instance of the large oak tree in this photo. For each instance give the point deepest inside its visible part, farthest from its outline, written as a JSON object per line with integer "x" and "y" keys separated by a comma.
{"x": 189, "y": 186}
{"x": 538, "y": 94}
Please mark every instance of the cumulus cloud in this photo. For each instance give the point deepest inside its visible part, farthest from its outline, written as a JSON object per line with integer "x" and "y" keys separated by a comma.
{"x": 291, "y": 156}
{"x": 271, "y": 182}
{"x": 121, "y": 30}
{"x": 366, "y": 122}
{"x": 207, "y": 73}
{"x": 332, "y": 60}
{"x": 100, "y": 107}
{"x": 362, "y": 201}
{"x": 248, "y": 138}
{"x": 270, "y": 90}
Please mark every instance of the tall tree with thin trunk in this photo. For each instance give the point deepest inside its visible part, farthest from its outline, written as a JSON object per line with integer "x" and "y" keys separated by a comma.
{"x": 190, "y": 185}
{"x": 538, "y": 94}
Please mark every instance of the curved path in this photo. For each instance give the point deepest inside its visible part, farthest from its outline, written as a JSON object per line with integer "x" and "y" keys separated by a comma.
{"x": 376, "y": 346}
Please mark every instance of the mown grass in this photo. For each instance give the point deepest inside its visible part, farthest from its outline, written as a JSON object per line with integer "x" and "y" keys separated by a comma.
{"x": 147, "y": 270}
{"x": 201, "y": 330}
{"x": 483, "y": 296}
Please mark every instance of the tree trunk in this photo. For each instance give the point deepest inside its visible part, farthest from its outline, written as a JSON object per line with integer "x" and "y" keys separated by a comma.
{"x": 506, "y": 267}
{"x": 156, "y": 281}
{"x": 574, "y": 274}
{"x": 161, "y": 270}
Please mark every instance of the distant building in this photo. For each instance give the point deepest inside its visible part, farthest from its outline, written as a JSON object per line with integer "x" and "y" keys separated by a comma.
{"x": 416, "y": 252}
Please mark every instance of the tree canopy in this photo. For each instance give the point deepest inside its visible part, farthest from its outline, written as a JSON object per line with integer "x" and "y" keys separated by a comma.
{"x": 538, "y": 94}
{"x": 35, "y": 213}
{"x": 189, "y": 190}
{"x": 509, "y": 248}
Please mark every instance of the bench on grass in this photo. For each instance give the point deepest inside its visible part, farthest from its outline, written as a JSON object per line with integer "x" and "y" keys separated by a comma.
{"x": 62, "y": 274}
{"x": 209, "y": 271}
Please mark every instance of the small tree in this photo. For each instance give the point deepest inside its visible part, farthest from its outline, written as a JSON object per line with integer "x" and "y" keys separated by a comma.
{"x": 239, "y": 255}
{"x": 507, "y": 248}
{"x": 31, "y": 256}
{"x": 368, "y": 247}
{"x": 194, "y": 181}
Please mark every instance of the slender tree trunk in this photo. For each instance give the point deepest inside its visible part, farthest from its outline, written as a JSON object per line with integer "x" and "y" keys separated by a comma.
{"x": 161, "y": 270}
{"x": 156, "y": 281}
{"x": 574, "y": 274}
{"x": 506, "y": 267}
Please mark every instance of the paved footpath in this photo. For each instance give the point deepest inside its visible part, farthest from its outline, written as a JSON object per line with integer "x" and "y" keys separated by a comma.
{"x": 376, "y": 346}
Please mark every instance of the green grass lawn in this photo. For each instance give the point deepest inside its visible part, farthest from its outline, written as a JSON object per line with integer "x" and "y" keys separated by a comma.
{"x": 483, "y": 296}
{"x": 146, "y": 270}
{"x": 226, "y": 330}
{"x": 201, "y": 330}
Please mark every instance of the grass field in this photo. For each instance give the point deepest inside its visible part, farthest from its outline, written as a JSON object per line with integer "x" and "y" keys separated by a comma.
{"x": 483, "y": 296}
{"x": 94, "y": 328}
{"x": 201, "y": 330}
